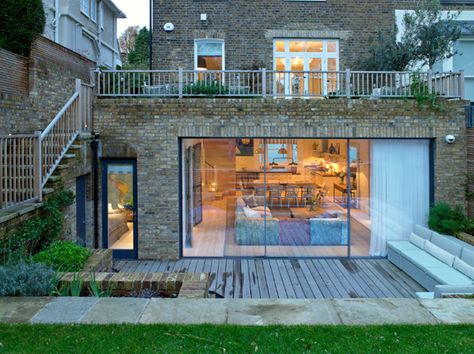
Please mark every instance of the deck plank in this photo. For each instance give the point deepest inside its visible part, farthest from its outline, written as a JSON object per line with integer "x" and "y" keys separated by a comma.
{"x": 290, "y": 278}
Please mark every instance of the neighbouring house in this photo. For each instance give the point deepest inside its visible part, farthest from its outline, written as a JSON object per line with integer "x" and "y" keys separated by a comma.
{"x": 88, "y": 27}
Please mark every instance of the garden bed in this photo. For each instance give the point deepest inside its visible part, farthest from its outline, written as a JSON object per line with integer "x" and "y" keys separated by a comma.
{"x": 188, "y": 285}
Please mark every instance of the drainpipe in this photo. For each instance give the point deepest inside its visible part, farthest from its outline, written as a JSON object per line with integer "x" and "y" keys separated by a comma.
{"x": 57, "y": 15}
{"x": 150, "y": 37}
{"x": 95, "y": 186}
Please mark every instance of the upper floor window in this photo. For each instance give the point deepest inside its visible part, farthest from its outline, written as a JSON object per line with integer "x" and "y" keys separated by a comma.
{"x": 209, "y": 54}
{"x": 89, "y": 8}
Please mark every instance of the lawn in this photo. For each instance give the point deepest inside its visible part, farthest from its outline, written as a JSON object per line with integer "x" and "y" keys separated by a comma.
{"x": 235, "y": 339}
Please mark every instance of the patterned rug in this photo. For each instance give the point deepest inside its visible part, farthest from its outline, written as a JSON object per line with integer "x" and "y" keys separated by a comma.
{"x": 294, "y": 232}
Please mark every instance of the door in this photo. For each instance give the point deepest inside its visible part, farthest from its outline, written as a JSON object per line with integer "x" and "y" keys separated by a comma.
{"x": 119, "y": 207}
{"x": 188, "y": 197}
{"x": 197, "y": 184}
{"x": 81, "y": 210}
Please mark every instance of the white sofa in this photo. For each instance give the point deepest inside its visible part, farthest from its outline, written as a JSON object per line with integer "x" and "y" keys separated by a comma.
{"x": 433, "y": 259}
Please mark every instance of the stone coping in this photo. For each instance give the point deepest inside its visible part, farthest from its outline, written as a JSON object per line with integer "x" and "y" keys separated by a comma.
{"x": 190, "y": 285}
{"x": 236, "y": 311}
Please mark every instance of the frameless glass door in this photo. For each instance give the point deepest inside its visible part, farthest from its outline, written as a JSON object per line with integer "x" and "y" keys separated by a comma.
{"x": 119, "y": 207}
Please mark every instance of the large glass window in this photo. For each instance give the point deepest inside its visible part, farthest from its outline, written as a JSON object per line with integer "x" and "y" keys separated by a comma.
{"x": 301, "y": 197}
{"x": 209, "y": 54}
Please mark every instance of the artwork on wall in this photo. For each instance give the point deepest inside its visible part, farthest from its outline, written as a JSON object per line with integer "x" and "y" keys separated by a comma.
{"x": 244, "y": 147}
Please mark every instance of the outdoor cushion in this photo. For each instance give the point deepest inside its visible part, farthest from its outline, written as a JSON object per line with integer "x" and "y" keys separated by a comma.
{"x": 423, "y": 259}
{"x": 423, "y": 232}
{"x": 417, "y": 240}
{"x": 446, "y": 243}
{"x": 467, "y": 256}
{"x": 402, "y": 246}
{"x": 450, "y": 276}
{"x": 463, "y": 267}
{"x": 439, "y": 253}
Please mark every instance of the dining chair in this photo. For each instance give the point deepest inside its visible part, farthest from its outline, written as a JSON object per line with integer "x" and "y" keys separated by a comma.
{"x": 291, "y": 193}
{"x": 307, "y": 194}
{"x": 276, "y": 192}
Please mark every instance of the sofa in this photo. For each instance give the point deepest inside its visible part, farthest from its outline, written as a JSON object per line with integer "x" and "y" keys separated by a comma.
{"x": 251, "y": 231}
{"x": 329, "y": 230}
{"x": 434, "y": 260}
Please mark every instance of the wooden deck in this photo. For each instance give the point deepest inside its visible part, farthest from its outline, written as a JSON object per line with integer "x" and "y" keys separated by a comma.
{"x": 291, "y": 278}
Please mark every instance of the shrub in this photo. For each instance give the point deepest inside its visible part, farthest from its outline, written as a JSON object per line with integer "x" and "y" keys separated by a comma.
{"x": 23, "y": 279}
{"x": 447, "y": 220}
{"x": 206, "y": 88}
{"x": 64, "y": 256}
{"x": 21, "y": 21}
{"x": 39, "y": 232}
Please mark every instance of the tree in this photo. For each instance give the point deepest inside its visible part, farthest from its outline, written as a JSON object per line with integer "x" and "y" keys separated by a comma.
{"x": 386, "y": 54}
{"x": 431, "y": 32}
{"x": 127, "y": 39}
{"x": 21, "y": 21}
{"x": 138, "y": 58}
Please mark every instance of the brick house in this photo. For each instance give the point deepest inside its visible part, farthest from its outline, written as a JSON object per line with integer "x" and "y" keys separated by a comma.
{"x": 252, "y": 174}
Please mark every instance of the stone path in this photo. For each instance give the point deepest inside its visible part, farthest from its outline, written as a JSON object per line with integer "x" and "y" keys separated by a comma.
{"x": 236, "y": 311}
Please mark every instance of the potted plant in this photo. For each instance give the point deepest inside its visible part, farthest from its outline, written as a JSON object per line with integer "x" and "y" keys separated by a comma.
{"x": 293, "y": 167}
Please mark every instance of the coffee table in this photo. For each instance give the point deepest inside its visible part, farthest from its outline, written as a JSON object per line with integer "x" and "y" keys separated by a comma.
{"x": 305, "y": 213}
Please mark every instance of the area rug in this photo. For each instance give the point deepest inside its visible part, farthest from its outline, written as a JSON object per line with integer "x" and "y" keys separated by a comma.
{"x": 294, "y": 232}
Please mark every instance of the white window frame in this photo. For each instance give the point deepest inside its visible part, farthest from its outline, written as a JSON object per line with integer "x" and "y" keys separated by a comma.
{"x": 93, "y": 10}
{"x": 306, "y": 56}
{"x": 208, "y": 40}
{"x": 85, "y": 7}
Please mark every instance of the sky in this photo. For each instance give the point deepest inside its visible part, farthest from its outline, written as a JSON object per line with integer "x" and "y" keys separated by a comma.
{"x": 137, "y": 12}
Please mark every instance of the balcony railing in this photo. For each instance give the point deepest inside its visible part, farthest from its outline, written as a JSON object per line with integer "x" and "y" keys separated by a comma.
{"x": 273, "y": 83}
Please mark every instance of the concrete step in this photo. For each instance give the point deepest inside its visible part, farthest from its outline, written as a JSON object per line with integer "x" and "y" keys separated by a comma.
{"x": 47, "y": 191}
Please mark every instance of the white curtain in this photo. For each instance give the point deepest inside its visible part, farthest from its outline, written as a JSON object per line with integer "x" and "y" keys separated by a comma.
{"x": 399, "y": 191}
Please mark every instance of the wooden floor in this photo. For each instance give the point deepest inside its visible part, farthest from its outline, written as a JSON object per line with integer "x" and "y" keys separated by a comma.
{"x": 291, "y": 278}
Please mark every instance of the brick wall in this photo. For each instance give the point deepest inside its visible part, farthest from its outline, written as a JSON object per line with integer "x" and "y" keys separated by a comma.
{"x": 150, "y": 128}
{"x": 249, "y": 27}
{"x": 50, "y": 82}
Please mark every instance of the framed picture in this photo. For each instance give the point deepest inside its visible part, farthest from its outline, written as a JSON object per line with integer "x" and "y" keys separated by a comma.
{"x": 244, "y": 147}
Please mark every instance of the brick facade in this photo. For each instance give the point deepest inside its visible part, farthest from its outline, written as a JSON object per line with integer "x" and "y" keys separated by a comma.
{"x": 249, "y": 28}
{"x": 149, "y": 129}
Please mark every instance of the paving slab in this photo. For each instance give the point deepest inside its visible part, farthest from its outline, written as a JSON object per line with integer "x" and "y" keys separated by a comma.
{"x": 116, "y": 310}
{"x": 185, "y": 311}
{"x": 281, "y": 311}
{"x": 20, "y": 309}
{"x": 382, "y": 311}
{"x": 451, "y": 310}
{"x": 65, "y": 310}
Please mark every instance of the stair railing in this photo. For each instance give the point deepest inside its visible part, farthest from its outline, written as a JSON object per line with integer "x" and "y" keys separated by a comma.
{"x": 27, "y": 161}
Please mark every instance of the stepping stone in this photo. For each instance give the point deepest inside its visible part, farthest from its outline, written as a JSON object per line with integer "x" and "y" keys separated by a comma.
{"x": 116, "y": 310}
{"x": 382, "y": 311}
{"x": 279, "y": 311}
{"x": 185, "y": 311}
{"x": 65, "y": 309}
{"x": 20, "y": 309}
{"x": 451, "y": 310}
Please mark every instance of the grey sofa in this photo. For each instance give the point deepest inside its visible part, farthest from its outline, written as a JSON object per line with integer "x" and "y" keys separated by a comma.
{"x": 433, "y": 259}
{"x": 254, "y": 231}
{"x": 328, "y": 231}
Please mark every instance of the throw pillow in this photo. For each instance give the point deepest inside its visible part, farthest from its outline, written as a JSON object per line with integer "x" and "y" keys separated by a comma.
{"x": 463, "y": 267}
{"x": 249, "y": 213}
{"x": 262, "y": 210}
{"x": 250, "y": 201}
{"x": 417, "y": 240}
{"x": 439, "y": 253}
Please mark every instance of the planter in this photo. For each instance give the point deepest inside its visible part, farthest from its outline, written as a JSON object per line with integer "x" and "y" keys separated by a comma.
{"x": 463, "y": 236}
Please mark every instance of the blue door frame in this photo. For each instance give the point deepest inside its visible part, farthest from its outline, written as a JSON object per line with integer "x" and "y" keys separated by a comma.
{"x": 81, "y": 210}
{"x": 119, "y": 254}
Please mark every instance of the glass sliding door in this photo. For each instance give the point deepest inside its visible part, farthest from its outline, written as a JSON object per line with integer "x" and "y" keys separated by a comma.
{"x": 285, "y": 197}
{"x": 119, "y": 207}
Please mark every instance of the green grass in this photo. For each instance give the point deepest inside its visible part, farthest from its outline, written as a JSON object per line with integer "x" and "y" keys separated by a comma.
{"x": 235, "y": 339}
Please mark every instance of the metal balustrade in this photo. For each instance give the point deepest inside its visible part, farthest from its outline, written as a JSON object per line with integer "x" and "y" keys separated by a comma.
{"x": 28, "y": 160}
{"x": 273, "y": 83}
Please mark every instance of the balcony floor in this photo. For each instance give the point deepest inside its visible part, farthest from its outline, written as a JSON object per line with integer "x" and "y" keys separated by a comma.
{"x": 291, "y": 278}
